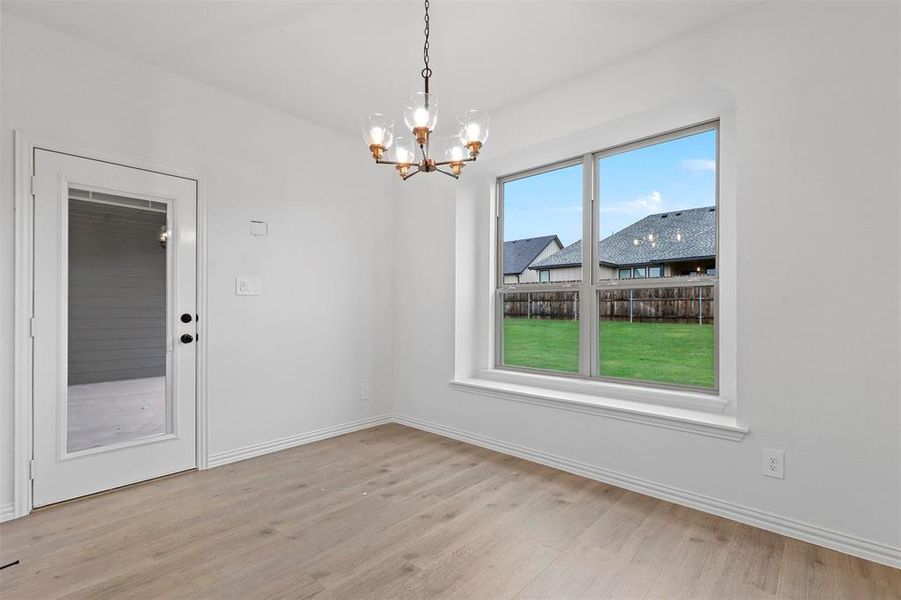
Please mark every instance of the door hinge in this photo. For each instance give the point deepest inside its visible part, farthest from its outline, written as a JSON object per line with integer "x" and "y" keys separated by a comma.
{"x": 32, "y": 327}
{"x": 31, "y": 469}
{"x": 34, "y": 180}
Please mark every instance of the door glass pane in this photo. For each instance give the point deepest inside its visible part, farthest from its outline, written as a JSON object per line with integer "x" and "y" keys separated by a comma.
{"x": 117, "y": 318}
{"x": 663, "y": 335}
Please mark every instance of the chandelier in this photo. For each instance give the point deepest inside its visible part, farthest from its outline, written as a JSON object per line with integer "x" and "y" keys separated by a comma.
{"x": 420, "y": 116}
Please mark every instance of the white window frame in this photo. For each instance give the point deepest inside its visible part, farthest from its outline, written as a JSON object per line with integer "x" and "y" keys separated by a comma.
{"x": 591, "y": 283}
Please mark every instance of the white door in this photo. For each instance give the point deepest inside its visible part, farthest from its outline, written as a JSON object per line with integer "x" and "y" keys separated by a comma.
{"x": 115, "y": 283}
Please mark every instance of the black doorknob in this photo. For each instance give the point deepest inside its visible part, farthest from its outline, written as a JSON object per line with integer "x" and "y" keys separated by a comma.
{"x": 186, "y": 318}
{"x": 187, "y": 338}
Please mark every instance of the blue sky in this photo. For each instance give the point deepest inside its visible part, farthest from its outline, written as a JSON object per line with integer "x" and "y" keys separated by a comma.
{"x": 674, "y": 175}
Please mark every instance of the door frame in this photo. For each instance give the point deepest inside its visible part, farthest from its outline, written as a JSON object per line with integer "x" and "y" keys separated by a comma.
{"x": 26, "y": 143}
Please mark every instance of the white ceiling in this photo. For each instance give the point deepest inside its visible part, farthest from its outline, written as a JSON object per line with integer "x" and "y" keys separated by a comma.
{"x": 333, "y": 62}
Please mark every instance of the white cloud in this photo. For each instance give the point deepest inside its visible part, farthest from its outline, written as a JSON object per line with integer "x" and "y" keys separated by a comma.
{"x": 650, "y": 202}
{"x": 644, "y": 205}
{"x": 699, "y": 165}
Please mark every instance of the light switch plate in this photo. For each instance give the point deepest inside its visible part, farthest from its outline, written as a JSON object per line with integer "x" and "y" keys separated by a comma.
{"x": 248, "y": 286}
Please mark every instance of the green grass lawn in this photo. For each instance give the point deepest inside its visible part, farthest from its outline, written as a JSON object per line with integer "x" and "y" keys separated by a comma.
{"x": 662, "y": 352}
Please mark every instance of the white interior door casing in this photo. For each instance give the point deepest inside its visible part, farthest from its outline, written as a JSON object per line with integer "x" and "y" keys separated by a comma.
{"x": 60, "y": 471}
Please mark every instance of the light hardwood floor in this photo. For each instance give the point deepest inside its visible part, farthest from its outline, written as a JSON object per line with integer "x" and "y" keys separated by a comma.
{"x": 393, "y": 512}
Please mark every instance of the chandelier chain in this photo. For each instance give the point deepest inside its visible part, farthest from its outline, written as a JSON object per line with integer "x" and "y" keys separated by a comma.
{"x": 426, "y": 71}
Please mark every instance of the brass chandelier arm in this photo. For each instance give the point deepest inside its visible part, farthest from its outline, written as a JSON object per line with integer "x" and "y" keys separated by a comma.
{"x": 448, "y": 173}
{"x": 443, "y": 163}
{"x": 450, "y": 162}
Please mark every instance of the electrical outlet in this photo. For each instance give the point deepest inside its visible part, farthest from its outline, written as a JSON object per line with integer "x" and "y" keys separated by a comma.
{"x": 364, "y": 392}
{"x": 774, "y": 463}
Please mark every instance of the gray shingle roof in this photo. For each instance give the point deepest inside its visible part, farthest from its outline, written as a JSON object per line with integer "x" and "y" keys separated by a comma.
{"x": 677, "y": 235}
{"x": 518, "y": 254}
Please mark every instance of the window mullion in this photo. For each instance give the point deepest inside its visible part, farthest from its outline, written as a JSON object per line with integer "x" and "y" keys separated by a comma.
{"x": 593, "y": 166}
{"x": 498, "y": 308}
{"x": 587, "y": 306}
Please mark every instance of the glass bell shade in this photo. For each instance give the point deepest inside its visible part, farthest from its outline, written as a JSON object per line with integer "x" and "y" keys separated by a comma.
{"x": 404, "y": 151}
{"x": 454, "y": 150}
{"x": 378, "y": 130}
{"x": 473, "y": 126}
{"x": 421, "y": 110}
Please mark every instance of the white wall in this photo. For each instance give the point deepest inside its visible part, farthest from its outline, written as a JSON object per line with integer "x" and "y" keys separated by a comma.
{"x": 816, "y": 93}
{"x": 291, "y": 360}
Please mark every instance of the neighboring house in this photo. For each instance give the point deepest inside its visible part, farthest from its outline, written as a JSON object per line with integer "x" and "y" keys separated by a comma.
{"x": 662, "y": 245}
{"x": 520, "y": 254}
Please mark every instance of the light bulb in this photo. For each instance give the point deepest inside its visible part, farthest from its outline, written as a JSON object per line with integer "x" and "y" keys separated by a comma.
{"x": 421, "y": 111}
{"x": 376, "y": 135}
{"x": 421, "y": 117}
{"x": 454, "y": 150}
{"x": 473, "y": 126}
{"x": 404, "y": 151}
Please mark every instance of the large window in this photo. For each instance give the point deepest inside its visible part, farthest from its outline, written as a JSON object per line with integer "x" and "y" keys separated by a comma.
{"x": 638, "y": 303}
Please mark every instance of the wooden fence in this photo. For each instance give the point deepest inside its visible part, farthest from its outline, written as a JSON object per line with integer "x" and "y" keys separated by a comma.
{"x": 671, "y": 305}
{"x": 667, "y": 305}
{"x": 542, "y": 305}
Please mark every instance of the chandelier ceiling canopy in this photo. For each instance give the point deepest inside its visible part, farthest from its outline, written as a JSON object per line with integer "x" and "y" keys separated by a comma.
{"x": 420, "y": 117}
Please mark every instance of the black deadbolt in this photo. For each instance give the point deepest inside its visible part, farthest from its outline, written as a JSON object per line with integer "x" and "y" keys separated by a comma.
{"x": 186, "y": 318}
{"x": 187, "y": 338}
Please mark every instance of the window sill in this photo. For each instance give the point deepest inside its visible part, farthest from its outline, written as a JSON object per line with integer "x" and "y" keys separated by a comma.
{"x": 683, "y": 411}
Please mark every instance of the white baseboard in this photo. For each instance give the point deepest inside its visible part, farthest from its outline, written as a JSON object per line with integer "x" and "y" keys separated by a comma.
{"x": 230, "y": 456}
{"x": 7, "y": 512}
{"x": 795, "y": 529}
